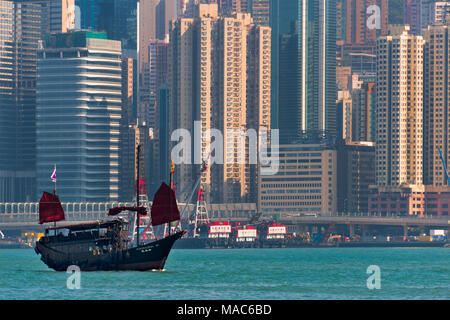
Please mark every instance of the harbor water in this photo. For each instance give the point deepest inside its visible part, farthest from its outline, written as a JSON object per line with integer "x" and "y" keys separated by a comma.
{"x": 227, "y": 274}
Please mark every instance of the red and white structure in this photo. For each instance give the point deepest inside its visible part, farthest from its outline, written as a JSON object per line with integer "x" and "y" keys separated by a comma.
{"x": 219, "y": 230}
{"x": 247, "y": 234}
{"x": 276, "y": 231}
{"x": 201, "y": 212}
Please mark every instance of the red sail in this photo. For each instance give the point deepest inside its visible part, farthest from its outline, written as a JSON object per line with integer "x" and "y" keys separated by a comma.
{"x": 164, "y": 208}
{"x": 115, "y": 211}
{"x": 50, "y": 209}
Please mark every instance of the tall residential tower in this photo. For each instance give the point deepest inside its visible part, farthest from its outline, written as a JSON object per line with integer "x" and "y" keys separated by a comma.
{"x": 436, "y": 104}
{"x": 219, "y": 78}
{"x": 399, "y": 153}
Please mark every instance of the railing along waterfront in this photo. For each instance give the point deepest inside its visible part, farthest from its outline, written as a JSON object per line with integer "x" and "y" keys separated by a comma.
{"x": 85, "y": 211}
{"x": 74, "y": 211}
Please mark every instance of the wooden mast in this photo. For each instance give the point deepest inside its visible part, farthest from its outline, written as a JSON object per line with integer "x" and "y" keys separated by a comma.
{"x": 170, "y": 185}
{"x": 137, "y": 195}
{"x": 54, "y": 193}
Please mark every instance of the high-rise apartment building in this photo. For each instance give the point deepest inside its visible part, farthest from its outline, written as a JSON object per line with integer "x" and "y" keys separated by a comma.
{"x": 219, "y": 76}
{"x": 399, "y": 153}
{"x": 417, "y": 14}
{"x": 228, "y": 7}
{"x": 364, "y": 112}
{"x": 438, "y": 12}
{"x": 260, "y": 10}
{"x": 344, "y": 115}
{"x": 436, "y": 104}
{"x": 79, "y": 109}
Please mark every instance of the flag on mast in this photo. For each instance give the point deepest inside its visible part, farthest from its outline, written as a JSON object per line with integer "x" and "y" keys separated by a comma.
{"x": 53, "y": 176}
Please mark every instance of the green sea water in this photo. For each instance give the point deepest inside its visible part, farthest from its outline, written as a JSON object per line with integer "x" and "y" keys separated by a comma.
{"x": 280, "y": 274}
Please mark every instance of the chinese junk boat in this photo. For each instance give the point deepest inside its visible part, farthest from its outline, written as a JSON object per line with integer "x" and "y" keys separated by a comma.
{"x": 105, "y": 245}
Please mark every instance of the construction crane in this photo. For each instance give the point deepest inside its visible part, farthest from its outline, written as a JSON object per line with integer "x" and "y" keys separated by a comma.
{"x": 445, "y": 167}
{"x": 204, "y": 167}
{"x": 201, "y": 212}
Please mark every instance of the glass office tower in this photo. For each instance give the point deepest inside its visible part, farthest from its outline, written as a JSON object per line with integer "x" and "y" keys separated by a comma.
{"x": 115, "y": 17}
{"x": 317, "y": 66}
{"x": 79, "y": 96}
{"x": 304, "y": 68}
{"x": 7, "y": 107}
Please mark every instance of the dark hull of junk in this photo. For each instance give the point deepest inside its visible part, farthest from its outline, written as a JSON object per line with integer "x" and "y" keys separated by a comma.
{"x": 106, "y": 245}
{"x": 91, "y": 252}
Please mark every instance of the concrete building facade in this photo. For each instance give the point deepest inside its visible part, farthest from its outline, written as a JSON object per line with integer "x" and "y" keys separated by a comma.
{"x": 306, "y": 181}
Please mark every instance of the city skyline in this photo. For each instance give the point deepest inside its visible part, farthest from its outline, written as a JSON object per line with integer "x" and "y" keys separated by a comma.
{"x": 299, "y": 74}
{"x": 237, "y": 150}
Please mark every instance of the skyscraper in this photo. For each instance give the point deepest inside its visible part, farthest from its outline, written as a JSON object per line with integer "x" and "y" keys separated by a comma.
{"x": 344, "y": 115}
{"x": 317, "y": 66}
{"x": 436, "y": 104}
{"x": 153, "y": 76}
{"x": 127, "y": 141}
{"x": 399, "y": 153}
{"x": 219, "y": 75}
{"x": 7, "y": 103}
{"x": 58, "y": 15}
{"x": 78, "y": 118}
{"x": 154, "y": 17}
{"x": 285, "y": 89}
{"x": 364, "y": 112}
{"x": 22, "y": 24}
{"x": 416, "y": 14}
{"x": 304, "y": 61}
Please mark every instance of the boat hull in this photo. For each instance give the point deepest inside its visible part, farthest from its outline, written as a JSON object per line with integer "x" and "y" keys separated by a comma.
{"x": 151, "y": 256}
